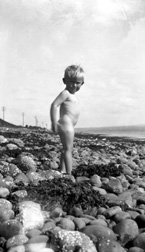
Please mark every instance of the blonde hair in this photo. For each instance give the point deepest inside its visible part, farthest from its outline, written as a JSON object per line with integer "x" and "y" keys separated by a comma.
{"x": 73, "y": 71}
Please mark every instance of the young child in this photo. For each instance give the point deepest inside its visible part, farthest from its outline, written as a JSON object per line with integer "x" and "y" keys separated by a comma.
{"x": 69, "y": 113}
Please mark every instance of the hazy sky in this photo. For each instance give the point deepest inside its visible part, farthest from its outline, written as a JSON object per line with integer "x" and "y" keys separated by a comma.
{"x": 40, "y": 38}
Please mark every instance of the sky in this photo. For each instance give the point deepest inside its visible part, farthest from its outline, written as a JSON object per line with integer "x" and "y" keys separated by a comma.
{"x": 40, "y": 38}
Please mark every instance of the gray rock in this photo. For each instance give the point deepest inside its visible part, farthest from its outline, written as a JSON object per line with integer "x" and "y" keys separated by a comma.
{"x": 16, "y": 240}
{"x": 65, "y": 240}
{"x": 135, "y": 249}
{"x": 112, "y": 211}
{"x": 36, "y": 243}
{"x": 5, "y": 204}
{"x": 95, "y": 180}
{"x": 4, "y": 192}
{"x": 121, "y": 215}
{"x": 6, "y": 214}
{"x": 11, "y": 146}
{"x": 139, "y": 241}
{"x": 98, "y": 222}
{"x": 17, "y": 141}
{"x": 127, "y": 230}
{"x": 98, "y": 232}
{"x": 114, "y": 186}
{"x": 19, "y": 248}
{"x": 79, "y": 223}
{"x": 126, "y": 197}
{"x": 20, "y": 194}
{"x": 66, "y": 224}
{"x": 109, "y": 246}
{"x": 30, "y": 215}
{"x": 3, "y": 139}
{"x": 10, "y": 228}
{"x": 140, "y": 220}
{"x": 48, "y": 226}
{"x": 33, "y": 232}
{"x": 26, "y": 163}
{"x": 22, "y": 178}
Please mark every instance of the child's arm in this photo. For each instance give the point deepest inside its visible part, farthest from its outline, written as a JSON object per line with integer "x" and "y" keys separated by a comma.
{"x": 53, "y": 109}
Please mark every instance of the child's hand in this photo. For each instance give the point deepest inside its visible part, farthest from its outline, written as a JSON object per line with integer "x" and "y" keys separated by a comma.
{"x": 54, "y": 127}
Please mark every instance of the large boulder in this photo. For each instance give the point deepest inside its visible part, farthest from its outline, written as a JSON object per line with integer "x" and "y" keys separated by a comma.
{"x": 30, "y": 215}
{"x": 65, "y": 241}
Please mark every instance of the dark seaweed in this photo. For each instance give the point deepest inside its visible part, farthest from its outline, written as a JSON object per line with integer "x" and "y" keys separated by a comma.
{"x": 65, "y": 193}
{"x": 102, "y": 170}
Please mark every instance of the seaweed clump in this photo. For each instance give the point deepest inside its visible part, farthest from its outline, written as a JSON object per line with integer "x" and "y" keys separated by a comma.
{"x": 102, "y": 170}
{"x": 64, "y": 193}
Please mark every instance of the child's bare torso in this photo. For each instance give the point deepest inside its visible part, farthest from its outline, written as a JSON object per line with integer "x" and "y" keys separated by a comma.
{"x": 69, "y": 111}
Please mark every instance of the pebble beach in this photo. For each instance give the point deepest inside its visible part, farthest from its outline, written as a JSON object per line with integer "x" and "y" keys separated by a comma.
{"x": 101, "y": 208}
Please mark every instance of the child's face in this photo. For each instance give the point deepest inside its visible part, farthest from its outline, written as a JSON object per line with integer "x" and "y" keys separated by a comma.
{"x": 73, "y": 84}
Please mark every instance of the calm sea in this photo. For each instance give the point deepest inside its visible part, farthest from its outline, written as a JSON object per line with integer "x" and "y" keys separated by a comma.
{"x": 121, "y": 131}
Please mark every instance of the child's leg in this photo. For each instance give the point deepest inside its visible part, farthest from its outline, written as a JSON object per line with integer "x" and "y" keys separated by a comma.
{"x": 62, "y": 163}
{"x": 67, "y": 138}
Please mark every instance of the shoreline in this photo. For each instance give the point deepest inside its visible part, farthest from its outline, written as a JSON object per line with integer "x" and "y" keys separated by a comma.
{"x": 81, "y": 135}
{"x": 108, "y": 137}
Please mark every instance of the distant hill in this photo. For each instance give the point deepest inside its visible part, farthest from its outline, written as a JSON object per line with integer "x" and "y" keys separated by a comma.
{"x": 7, "y": 124}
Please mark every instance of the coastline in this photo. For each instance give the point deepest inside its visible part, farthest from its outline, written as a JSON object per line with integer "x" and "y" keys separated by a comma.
{"x": 82, "y": 133}
{"x": 111, "y": 138}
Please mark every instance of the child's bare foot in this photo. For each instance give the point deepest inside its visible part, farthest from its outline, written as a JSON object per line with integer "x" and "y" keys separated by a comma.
{"x": 63, "y": 172}
{"x": 69, "y": 176}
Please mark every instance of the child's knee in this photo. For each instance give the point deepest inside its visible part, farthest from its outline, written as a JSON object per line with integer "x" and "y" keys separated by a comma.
{"x": 68, "y": 149}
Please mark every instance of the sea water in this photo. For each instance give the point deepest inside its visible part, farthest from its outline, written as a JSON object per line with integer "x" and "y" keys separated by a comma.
{"x": 120, "y": 131}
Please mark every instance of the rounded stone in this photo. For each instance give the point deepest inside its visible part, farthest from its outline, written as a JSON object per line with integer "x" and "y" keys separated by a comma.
{"x": 66, "y": 224}
{"x": 109, "y": 246}
{"x": 79, "y": 223}
{"x": 5, "y": 204}
{"x": 139, "y": 241}
{"x": 13, "y": 170}
{"x": 22, "y": 178}
{"x": 20, "y": 194}
{"x": 48, "y": 226}
{"x": 33, "y": 232}
{"x": 57, "y": 212}
{"x": 64, "y": 240}
{"x": 99, "y": 222}
{"x": 36, "y": 243}
{"x": 10, "y": 228}
{"x": 95, "y": 180}
{"x": 3, "y": 139}
{"x": 99, "y": 231}
{"x": 121, "y": 216}
{"x": 19, "y": 248}
{"x": 4, "y": 192}
{"x": 16, "y": 240}
{"x": 26, "y": 163}
{"x": 135, "y": 249}
{"x": 6, "y": 214}
{"x": 30, "y": 215}
{"x": 127, "y": 230}
{"x": 140, "y": 220}
{"x": 76, "y": 211}
{"x": 11, "y": 146}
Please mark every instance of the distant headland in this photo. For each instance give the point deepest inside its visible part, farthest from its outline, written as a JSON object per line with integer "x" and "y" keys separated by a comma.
{"x": 4, "y": 123}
